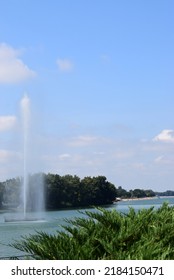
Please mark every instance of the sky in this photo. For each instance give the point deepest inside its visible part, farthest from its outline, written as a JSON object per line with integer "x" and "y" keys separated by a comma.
{"x": 99, "y": 79}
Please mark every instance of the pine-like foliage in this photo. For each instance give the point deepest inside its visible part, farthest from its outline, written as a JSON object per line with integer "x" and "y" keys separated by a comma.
{"x": 105, "y": 234}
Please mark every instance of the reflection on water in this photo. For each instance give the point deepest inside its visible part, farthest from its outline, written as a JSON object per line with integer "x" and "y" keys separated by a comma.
{"x": 51, "y": 221}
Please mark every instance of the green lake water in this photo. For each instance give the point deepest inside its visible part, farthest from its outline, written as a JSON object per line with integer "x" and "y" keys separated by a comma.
{"x": 10, "y": 231}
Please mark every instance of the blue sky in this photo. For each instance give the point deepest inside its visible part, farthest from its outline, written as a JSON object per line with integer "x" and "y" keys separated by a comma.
{"x": 99, "y": 76}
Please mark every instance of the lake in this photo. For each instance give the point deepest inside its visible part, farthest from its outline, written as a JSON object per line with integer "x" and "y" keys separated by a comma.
{"x": 10, "y": 231}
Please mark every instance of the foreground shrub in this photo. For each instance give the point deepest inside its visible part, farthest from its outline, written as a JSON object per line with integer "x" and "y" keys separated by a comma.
{"x": 105, "y": 234}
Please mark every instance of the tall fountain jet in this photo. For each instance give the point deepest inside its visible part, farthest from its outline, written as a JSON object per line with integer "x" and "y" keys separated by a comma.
{"x": 32, "y": 194}
{"x": 25, "y": 109}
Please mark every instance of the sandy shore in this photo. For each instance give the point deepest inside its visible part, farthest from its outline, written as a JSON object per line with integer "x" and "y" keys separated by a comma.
{"x": 141, "y": 198}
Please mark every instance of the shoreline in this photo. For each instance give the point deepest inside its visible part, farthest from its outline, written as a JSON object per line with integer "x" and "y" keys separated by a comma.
{"x": 144, "y": 198}
{"x": 140, "y": 198}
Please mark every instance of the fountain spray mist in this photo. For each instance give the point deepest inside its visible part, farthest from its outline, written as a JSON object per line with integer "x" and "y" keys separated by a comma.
{"x": 25, "y": 108}
{"x": 33, "y": 189}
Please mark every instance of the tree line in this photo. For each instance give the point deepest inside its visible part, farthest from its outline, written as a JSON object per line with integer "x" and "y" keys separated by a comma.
{"x": 68, "y": 191}
{"x": 59, "y": 191}
{"x": 141, "y": 193}
{"x": 71, "y": 191}
{"x": 135, "y": 193}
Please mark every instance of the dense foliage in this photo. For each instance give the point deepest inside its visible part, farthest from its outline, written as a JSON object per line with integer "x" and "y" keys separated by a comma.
{"x": 67, "y": 191}
{"x": 70, "y": 191}
{"x": 59, "y": 191}
{"x": 166, "y": 193}
{"x": 104, "y": 234}
{"x": 1, "y": 194}
{"x": 138, "y": 193}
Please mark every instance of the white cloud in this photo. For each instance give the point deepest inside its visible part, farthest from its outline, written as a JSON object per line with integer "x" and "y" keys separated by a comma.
{"x": 166, "y": 136}
{"x": 6, "y": 155}
{"x": 123, "y": 154}
{"x": 64, "y": 65}
{"x": 7, "y": 122}
{"x": 167, "y": 160}
{"x": 159, "y": 159}
{"x": 12, "y": 69}
{"x": 99, "y": 153}
{"x": 83, "y": 140}
{"x": 64, "y": 156}
{"x": 138, "y": 166}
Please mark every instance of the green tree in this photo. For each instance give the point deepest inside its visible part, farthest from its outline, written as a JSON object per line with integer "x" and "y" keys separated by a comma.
{"x": 12, "y": 192}
{"x": 138, "y": 193}
{"x": 2, "y": 188}
{"x": 53, "y": 191}
{"x": 122, "y": 193}
{"x": 149, "y": 193}
{"x": 71, "y": 189}
{"x": 97, "y": 191}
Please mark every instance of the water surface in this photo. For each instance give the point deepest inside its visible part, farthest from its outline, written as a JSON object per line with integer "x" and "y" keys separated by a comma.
{"x": 10, "y": 231}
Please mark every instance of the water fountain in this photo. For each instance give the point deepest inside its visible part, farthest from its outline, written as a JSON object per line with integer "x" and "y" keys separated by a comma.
{"x": 25, "y": 108}
{"x": 32, "y": 194}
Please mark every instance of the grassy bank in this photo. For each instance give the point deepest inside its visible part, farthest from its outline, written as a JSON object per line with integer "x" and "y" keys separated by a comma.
{"x": 105, "y": 234}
